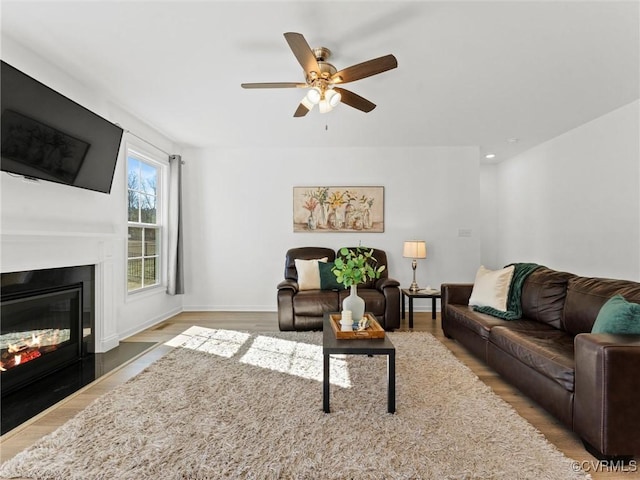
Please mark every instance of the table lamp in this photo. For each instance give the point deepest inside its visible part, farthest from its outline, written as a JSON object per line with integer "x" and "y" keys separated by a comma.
{"x": 414, "y": 249}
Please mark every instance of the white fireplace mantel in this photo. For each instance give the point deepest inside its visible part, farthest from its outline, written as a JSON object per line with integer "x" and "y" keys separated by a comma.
{"x": 23, "y": 249}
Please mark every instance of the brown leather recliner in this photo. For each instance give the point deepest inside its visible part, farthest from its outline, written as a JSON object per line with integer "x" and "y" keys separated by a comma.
{"x": 304, "y": 309}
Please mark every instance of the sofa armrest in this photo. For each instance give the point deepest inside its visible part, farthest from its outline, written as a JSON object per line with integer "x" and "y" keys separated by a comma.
{"x": 456, "y": 293}
{"x": 285, "y": 308}
{"x": 288, "y": 284}
{"x": 606, "y": 413}
{"x": 383, "y": 283}
{"x": 389, "y": 287}
{"x": 452, "y": 294}
{"x": 287, "y": 289}
{"x": 391, "y": 294}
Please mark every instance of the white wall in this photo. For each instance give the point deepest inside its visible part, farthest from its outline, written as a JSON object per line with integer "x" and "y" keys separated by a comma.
{"x": 489, "y": 214}
{"x": 48, "y": 208}
{"x": 238, "y": 216}
{"x": 573, "y": 203}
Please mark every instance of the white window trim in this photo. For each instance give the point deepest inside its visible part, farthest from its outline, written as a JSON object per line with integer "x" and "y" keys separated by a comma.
{"x": 160, "y": 160}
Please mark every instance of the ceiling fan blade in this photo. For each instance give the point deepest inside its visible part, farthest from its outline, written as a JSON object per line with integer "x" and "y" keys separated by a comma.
{"x": 365, "y": 69}
{"x": 274, "y": 85}
{"x": 302, "y": 110}
{"x": 303, "y": 52}
{"x": 354, "y": 100}
{"x": 305, "y": 107}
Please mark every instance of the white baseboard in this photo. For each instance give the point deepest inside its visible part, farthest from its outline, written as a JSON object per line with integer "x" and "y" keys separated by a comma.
{"x": 229, "y": 308}
{"x": 107, "y": 344}
{"x": 150, "y": 323}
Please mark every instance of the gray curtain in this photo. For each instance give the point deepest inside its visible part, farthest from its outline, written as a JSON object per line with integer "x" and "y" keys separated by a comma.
{"x": 175, "y": 284}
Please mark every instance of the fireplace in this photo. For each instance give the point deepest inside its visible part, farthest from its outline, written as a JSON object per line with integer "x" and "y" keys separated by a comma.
{"x": 46, "y": 323}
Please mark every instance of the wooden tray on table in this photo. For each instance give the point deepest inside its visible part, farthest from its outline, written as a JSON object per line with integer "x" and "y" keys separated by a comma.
{"x": 374, "y": 330}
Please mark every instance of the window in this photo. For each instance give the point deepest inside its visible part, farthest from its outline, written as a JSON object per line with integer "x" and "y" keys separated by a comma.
{"x": 144, "y": 221}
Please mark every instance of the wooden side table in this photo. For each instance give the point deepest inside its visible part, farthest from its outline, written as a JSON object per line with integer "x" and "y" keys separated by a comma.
{"x": 433, "y": 295}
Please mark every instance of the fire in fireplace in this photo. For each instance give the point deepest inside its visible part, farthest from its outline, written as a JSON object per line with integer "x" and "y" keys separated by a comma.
{"x": 18, "y": 348}
{"x": 40, "y": 333}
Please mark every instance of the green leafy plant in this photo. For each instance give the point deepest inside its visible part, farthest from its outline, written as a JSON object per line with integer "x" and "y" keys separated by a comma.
{"x": 356, "y": 266}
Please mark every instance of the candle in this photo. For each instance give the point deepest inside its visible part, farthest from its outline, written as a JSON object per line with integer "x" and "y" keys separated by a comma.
{"x": 346, "y": 320}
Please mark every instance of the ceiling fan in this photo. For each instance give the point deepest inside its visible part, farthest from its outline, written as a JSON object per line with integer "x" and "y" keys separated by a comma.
{"x": 321, "y": 77}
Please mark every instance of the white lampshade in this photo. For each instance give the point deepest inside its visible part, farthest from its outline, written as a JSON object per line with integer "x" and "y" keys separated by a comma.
{"x": 332, "y": 97}
{"x": 314, "y": 95}
{"x": 415, "y": 249}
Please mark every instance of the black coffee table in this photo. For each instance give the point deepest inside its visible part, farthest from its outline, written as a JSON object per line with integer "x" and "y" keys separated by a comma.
{"x": 375, "y": 346}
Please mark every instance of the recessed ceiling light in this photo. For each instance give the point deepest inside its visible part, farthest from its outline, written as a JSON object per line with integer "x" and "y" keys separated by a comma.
{"x": 490, "y": 155}
{"x": 513, "y": 140}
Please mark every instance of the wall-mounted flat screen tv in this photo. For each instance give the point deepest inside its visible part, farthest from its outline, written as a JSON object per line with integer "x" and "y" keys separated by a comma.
{"x": 48, "y": 136}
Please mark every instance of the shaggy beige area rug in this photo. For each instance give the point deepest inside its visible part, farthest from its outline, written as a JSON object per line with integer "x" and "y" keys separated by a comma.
{"x": 234, "y": 405}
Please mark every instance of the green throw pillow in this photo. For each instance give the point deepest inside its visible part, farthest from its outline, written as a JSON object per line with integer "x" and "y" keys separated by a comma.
{"x": 327, "y": 277}
{"x": 618, "y": 316}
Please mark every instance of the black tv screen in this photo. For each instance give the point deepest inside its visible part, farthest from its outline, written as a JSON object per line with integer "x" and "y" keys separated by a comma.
{"x": 48, "y": 136}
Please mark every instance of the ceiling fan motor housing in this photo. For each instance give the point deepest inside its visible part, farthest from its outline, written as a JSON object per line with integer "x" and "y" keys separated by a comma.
{"x": 322, "y": 54}
{"x": 327, "y": 70}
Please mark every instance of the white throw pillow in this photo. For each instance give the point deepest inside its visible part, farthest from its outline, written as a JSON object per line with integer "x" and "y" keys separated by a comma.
{"x": 491, "y": 288}
{"x": 308, "y": 273}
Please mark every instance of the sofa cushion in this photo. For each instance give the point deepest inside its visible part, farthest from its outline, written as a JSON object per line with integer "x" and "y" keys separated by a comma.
{"x": 314, "y": 303}
{"x": 328, "y": 280}
{"x": 618, "y": 316}
{"x": 491, "y": 288}
{"x": 586, "y": 296}
{"x": 543, "y": 348}
{"x": 479, "y": 323}
{"x": 543, "y": 295}
{"x": 308, "y": 273}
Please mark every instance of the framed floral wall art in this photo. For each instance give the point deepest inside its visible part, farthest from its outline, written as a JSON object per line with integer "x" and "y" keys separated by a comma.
{"x": 338, "y": 209}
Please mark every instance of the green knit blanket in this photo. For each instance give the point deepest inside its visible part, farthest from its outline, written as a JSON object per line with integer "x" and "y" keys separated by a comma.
{"x": 514, "y": 297}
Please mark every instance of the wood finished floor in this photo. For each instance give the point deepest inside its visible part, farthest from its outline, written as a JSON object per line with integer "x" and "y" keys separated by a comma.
{"x": 25, "y": 435}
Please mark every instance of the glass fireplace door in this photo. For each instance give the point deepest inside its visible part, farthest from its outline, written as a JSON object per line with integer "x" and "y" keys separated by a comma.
{"x": 40, "y": 332}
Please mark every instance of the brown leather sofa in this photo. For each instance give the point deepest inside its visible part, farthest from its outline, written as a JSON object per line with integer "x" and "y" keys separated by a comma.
{"x": 304, "y": 309}
{"x": 588, "y": 381}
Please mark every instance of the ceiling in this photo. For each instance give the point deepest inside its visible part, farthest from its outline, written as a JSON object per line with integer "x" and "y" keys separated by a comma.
{"x": 469, "y": 73}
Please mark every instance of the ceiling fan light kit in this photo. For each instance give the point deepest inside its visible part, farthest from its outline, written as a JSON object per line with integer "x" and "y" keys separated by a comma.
{"x": 321, "y": 78}
{"x": 332, "y": 97}
{"x": 324, "y": 106}
{"x": 314, "y": 95}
